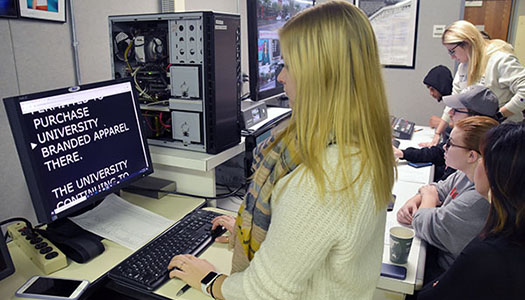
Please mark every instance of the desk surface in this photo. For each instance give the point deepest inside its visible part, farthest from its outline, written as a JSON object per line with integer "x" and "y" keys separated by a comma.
{"x": 171, "y": 207}
{"x": 407, "y": 185}
{"x": 174, "y": 208}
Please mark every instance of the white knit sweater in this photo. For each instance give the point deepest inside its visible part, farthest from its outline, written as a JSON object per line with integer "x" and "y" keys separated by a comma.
{"x": 315, "y": 249}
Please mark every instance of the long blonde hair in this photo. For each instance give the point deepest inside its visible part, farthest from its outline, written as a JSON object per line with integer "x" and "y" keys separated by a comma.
{"x": 464, "y": 33}
{"x": 331, "y": 52}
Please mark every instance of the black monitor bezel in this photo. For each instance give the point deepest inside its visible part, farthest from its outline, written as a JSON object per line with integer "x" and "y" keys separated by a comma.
{"x": 16, "y": 14}
{"x": 20, "y": 137}
{"x": 253, "y": 65}
{"x": 6, "y": 257}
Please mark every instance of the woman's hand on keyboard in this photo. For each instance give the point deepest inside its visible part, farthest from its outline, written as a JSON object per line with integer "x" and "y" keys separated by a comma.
{"x": 190, "y": 269}
{"x": 225, "y": 221}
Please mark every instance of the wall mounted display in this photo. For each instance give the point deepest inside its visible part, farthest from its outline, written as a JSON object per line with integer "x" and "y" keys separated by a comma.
{"x": 9, "y": 8}
{"x": 51, "y": 10}
{"x": 395, "y": 27}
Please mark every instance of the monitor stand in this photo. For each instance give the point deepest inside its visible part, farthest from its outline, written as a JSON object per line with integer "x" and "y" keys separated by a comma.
{"x": 76, "y": 243}
{"x": 280, "y": 101}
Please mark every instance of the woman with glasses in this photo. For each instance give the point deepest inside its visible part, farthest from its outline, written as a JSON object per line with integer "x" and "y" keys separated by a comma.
{"x": 491, "y": 63}
{"x": 450, "y": 213}
{"x": 492, "y": 265}
{"x": 473, "y": 101}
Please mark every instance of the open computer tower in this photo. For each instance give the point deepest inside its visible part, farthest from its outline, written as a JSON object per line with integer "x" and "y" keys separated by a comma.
{"x": 186, "y": 67}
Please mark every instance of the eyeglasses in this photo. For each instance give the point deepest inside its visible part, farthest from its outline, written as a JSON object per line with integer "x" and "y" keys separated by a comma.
{"x": 456, "y": 111}
{"x": 450, "y": 144}
{"x": 453, "y": 50}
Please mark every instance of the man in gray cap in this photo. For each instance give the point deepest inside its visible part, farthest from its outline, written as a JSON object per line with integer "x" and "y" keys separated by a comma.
{"x": 475, "y": 100}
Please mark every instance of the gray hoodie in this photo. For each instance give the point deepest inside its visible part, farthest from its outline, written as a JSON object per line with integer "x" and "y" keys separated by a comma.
{"x": 456, "y": 222}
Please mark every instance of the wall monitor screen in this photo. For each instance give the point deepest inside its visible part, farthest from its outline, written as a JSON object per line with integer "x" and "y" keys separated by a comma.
{"x": 265, "y": 17}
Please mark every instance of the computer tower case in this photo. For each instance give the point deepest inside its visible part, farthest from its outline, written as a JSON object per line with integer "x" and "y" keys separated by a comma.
{"x": 187, "y": 69}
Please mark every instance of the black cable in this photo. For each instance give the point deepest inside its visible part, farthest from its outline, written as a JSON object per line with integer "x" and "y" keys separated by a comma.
{"x": 28, "y": 224}
{"x": 221, "y": 196}
{"x": 10, "y": 220}
{"x": 239, "y": 196}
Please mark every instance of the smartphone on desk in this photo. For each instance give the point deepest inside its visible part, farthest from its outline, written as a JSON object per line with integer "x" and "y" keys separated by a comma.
{"x": 43, "y": 287}
{"x": 419, "y": 165}
{"x": 393, "y": 271}
{"x": 391, "y": 203}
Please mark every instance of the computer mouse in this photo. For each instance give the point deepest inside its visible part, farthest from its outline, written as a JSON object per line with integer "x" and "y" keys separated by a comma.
{"x": 218, "y": 231}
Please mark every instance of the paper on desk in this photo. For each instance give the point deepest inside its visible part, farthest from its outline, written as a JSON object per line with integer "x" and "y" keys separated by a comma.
{"x": 122, "y": 222}
{"x": 417, "y": 175}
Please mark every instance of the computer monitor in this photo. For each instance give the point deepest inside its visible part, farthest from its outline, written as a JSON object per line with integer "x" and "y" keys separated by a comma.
{"x": 76, "y": 145}
{"x": 254, "y": 139}
{"x": 6, "y": 264}
{"x": 265, "y": 17}
{"x": 9, "y": 8}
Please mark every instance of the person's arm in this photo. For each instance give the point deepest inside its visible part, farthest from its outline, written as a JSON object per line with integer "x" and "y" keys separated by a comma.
{"x": 434, "y": 154}
{"x": 512, "y": 76}
{"x": 440, "y": 129}
{"x": 433, "y": 122}
{"x": 397, "y": 153}
{"x": 301, "y": 234}
{"x": 452, "y": 226}
{"x": 505, "y": 112}
{"x": 429, "y": 197}
{"x": 407, "y": 211}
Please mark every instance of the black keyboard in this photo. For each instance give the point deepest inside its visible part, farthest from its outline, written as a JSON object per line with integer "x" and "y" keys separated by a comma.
{"x": 147, "y": 268}
{"x": 402, "y": 128}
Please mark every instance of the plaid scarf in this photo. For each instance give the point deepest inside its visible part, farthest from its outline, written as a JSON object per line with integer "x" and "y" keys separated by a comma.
{"x": 254, "y": 216}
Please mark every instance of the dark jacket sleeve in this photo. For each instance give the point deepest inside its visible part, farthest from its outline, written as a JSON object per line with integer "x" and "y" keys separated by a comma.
{"x": 434, "y": 154}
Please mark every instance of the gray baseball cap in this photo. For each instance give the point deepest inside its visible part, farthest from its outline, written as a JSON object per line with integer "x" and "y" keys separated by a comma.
{"x": 475, "y": 98}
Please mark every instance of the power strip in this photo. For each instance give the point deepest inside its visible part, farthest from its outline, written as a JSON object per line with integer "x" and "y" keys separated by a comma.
{"x": 39, "y": 249}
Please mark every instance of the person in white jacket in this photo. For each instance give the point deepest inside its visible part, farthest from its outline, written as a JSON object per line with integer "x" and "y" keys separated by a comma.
{"x": 491, "y": 63}
{"x": 312, "y": 224}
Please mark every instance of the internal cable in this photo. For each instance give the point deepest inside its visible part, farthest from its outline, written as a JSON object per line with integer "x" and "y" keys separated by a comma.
{"x": 158, "y": 102}
{"x": 126, "y": 56}
{"x": 162, "y": 123}
{"x": 142, "y": 92}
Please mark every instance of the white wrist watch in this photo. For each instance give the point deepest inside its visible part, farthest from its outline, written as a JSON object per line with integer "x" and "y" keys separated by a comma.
{"x": 207, "y": 281}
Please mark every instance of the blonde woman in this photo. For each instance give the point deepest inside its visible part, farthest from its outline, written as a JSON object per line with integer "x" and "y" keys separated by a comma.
{"x": 491, "y": 63}
{"x": 312, "y": 224}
